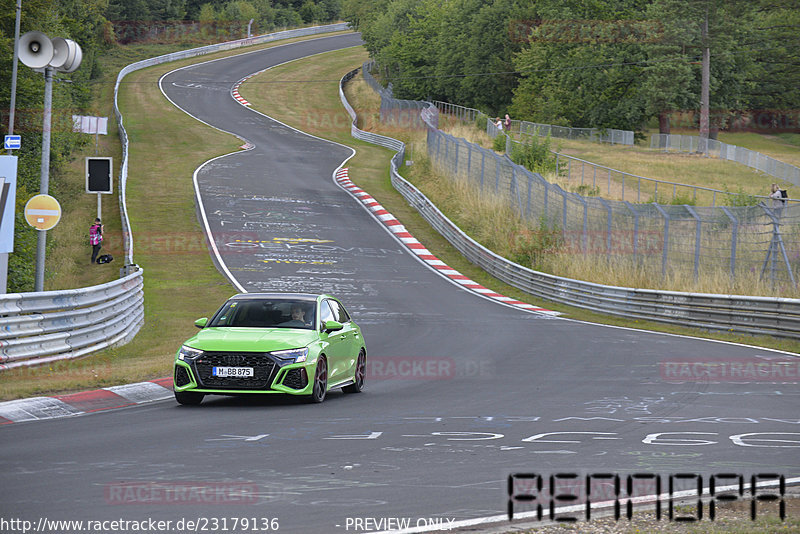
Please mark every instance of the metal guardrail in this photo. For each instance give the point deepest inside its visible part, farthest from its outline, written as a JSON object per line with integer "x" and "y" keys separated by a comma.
{"x": 733, "y": 313}
{"x": 47, "y": 326}
{"x": 745, "y": 156}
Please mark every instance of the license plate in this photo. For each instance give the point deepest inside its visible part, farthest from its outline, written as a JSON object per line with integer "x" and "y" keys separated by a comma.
{"x": 232, "y": 372}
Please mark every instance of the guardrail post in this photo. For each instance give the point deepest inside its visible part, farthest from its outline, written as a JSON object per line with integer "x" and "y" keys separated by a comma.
{"x": 665, "y": 251}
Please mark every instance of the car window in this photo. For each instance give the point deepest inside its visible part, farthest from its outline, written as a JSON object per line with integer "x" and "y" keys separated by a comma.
{"x": 273, "y": 313}
{"x": 325, "y": 312}
{"x": 339, "y": 312}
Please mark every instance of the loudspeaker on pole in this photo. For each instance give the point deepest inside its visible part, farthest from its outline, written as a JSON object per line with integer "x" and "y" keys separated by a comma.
{"x": 35, "y": 50}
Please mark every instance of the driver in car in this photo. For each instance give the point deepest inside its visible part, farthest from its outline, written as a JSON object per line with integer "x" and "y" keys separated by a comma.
{"x": 297, "y": 320}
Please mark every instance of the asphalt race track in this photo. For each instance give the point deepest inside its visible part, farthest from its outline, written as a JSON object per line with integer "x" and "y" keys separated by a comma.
{"x": 461, "y": 391}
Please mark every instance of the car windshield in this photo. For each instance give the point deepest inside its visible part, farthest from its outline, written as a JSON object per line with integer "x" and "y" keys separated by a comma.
{"x": 266, "y": 313}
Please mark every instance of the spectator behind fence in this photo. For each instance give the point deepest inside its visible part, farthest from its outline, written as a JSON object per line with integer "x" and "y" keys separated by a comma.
{"x": 507, "y": 123}
{"x": 499, "y": 124}
{"x": 778, "y": 201}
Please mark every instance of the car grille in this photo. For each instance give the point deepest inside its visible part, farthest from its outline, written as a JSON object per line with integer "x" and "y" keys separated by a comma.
{"x": 181, "y": 376}
{"x": 295, "y": 379}
{"x": 263, "y": 370}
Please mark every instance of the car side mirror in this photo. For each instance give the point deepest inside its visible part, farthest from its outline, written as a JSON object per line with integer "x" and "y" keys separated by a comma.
{"x": 201, "y": 323}
{"x": 333, "y": 326}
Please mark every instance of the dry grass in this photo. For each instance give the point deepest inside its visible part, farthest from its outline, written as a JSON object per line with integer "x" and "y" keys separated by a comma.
{"x": 689, "y": 169}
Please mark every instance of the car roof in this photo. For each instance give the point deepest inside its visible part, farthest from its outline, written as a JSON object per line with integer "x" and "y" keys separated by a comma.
{"x": 282, "y": 296}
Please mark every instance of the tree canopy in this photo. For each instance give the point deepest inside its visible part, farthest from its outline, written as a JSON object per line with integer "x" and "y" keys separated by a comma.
{"x": 586, "y": 63}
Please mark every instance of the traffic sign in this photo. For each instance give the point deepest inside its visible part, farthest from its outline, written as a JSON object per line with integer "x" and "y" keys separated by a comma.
{"x": 42, "y": 212}
{"x": 12, "y": 142}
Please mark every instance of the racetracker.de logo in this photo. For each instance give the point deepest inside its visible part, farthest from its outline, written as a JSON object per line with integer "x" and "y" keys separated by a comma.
{"x": 178, "y": 493}
{"x": 730, "y": 370}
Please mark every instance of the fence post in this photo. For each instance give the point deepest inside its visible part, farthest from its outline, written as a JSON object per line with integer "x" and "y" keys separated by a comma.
{"x": 483, "y": 167}
{"x": 457, "y": 143}
{"x": 776, "y": 245}
{"x": 585, "y": 227}
{"x": 698, "y": 232}
{"x": 546, "y": 191}
{"x": 608, "y": 229}
{"x": 635, "y": 230}
{"x": 665, "y": 251}
{"x": 528, "y": 208}
{"x": 496, "y": 173}
{"x": 469, "y": 159}
{"x": 734, "y": 239}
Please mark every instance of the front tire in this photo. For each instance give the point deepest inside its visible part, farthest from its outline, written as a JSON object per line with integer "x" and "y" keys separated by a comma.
{"x": 189, "y": 398}
{"x": 359, "y": 376}
{"x": 320, "y": 388}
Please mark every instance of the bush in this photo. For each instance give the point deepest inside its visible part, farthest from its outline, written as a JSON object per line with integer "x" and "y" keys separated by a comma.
{"x": 740, "y": 198}
{"x": 481, "y": 121}
{"x": 534, "y": 154}
{"x": 499, "y": 143}
{"x": 587, "y": 190}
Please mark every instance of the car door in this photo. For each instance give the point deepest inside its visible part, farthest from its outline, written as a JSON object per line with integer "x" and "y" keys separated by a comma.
{"x": 351, "y": 338}
{"x": 337, "y": 342}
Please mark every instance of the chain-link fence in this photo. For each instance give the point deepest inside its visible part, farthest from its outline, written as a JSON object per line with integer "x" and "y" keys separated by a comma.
{"x": 673, "y": 240}
{"x": 718, "y": 149}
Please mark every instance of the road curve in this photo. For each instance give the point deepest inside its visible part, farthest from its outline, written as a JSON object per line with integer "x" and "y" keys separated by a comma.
{"x": 462, "y": 391}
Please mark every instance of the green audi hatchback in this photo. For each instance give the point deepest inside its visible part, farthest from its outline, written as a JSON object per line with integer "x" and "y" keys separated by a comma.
{"x": 296, "y": 344}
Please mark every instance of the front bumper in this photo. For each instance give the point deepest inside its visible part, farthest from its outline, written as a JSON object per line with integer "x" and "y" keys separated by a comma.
{"x": 270, "y": 375}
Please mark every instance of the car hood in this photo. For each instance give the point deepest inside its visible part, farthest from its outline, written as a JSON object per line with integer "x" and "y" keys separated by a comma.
{"x": 251, "y": 339}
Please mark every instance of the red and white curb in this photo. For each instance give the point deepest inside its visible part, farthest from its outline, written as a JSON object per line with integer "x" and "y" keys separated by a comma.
{"x": 37, "y": 408}
{"x": 235, "y": 91}
{"x": 380, "y": 213}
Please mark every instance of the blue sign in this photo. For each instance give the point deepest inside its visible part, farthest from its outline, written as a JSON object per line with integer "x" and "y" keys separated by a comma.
{"x": 8, "y": 198}
{"x": 12, "y": 142}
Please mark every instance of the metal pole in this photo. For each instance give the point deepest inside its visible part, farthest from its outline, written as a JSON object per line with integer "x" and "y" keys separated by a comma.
{"x": 4, "y": 255}
{"x": 44, "y": 180}
{"x": 14, "y": 73}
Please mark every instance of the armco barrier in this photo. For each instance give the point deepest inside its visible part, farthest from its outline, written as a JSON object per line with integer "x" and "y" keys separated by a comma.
{"x": 734, "y": 313}
{"x": 47, "y": 326}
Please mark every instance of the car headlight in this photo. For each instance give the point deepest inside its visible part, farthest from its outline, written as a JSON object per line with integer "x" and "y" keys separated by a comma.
{"x": 188, "y": 353}
{"x": 291, "y": 355}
